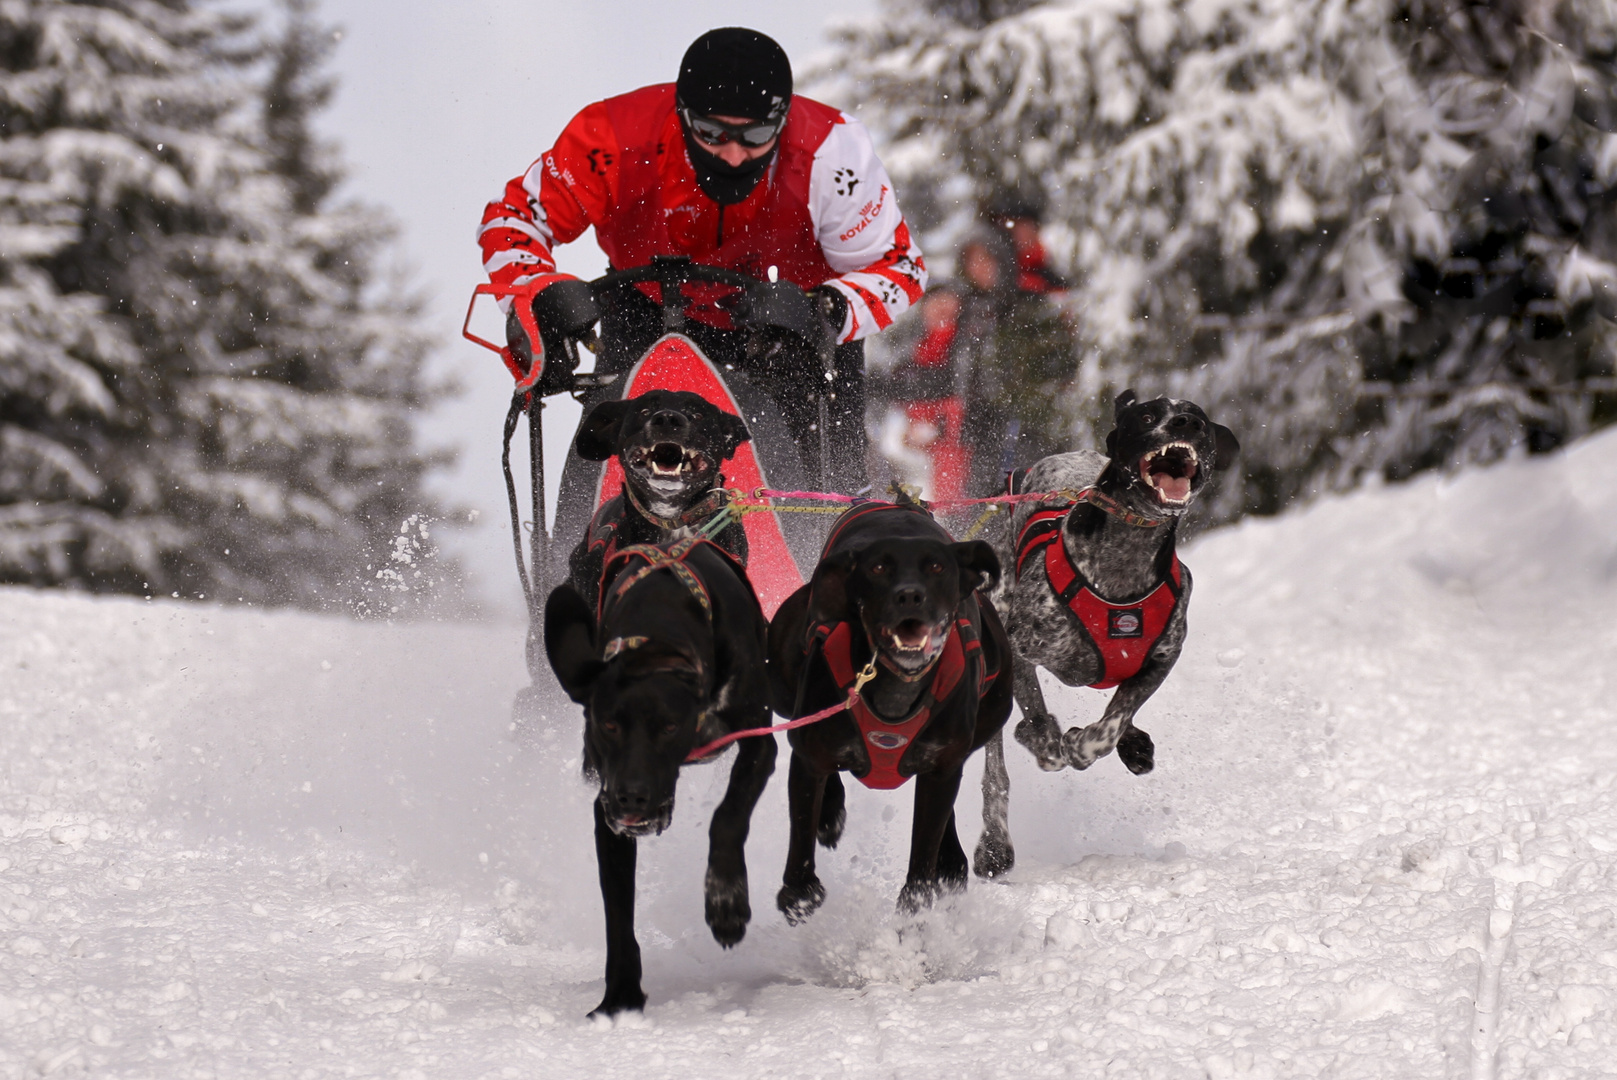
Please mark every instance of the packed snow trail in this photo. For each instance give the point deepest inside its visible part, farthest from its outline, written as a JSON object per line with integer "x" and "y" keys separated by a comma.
{"x": 1380, "y": 842}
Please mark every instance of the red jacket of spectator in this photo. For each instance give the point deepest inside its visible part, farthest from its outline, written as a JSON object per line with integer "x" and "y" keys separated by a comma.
{"x": 823, "y": 213}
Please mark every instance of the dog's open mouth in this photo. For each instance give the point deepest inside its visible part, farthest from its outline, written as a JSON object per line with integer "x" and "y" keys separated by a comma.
{"x": 667, "y": 461}
{"x": 648, "y": 824}
{"x": 1169, "y": 471}
{"x": 911, "y": 645}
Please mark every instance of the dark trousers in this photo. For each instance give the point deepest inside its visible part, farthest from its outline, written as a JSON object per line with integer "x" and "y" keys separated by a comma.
{"x": 785, "y": 368}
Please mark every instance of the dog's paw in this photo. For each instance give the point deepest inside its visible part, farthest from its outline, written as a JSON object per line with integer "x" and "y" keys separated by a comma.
{"x": 728, "y": 908}
{"x": 917, "y": 895}
{"x": 1081, "y": 748}
{"x": 993, "y": 858}
{"x": 1136, "y": 751}
{"x": 1041, "y": 735}
{"x": 626, "y": 998}
{"x": 798, "y": 902}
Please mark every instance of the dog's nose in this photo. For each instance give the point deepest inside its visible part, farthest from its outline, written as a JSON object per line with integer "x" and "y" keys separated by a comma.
{"x": 1185, "y": 422}
{"x": 631, "y": 799}
{"x": 909, "y": 596}
{"x": 668, "y": 421}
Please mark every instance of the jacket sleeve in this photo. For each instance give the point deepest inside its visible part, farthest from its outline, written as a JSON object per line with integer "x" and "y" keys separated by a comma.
{"x": 561, "y": 195}
{"x": 862, "y": 232}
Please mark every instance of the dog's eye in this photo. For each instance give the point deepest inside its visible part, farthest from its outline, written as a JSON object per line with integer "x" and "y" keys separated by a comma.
{"x": 1148, "y": 419}
{"x": 670, "y": 728}
{"x": 609, "y": 727}
{"x": 933, "y": 568}
{"x": 880, "y": 569}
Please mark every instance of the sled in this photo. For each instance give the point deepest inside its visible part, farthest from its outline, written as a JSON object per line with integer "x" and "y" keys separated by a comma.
{"x": 782, "y": 546}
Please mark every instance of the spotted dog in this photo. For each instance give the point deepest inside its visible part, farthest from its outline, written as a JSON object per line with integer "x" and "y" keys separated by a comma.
{"x": 1098, "y": 595}
{"x": 671, "y": 445}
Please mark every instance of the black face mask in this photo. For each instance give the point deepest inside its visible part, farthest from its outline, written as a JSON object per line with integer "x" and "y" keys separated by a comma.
{"x": 726, "y": 184}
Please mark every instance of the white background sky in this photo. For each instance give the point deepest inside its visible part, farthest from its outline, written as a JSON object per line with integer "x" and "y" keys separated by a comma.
{"x": 438, "y": 106}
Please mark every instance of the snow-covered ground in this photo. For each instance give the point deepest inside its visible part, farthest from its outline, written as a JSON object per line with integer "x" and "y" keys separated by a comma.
{"x": 1380, "y": 841}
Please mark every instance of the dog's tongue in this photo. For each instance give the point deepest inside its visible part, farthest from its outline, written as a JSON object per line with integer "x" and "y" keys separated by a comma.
{"x": 1176, "y": 488}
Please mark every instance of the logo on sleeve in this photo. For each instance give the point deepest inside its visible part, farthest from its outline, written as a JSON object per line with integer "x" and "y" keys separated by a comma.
{"x": 867, "y": 213}
{"x": 600, "y": 160}
{"x": 845, "y": 181}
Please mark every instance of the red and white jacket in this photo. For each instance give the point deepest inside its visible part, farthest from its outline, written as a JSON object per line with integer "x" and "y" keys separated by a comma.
{"x": 824, "y": 213}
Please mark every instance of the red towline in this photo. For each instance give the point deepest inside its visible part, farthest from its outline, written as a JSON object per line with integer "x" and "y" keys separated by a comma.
{"x": 827, "y": 496}
{"x": 864, "y": 676}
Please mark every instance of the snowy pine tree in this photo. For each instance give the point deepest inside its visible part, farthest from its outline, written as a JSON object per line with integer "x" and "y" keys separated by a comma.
{"x": 1272, "y": 206}
{"x": 199, "y": 392}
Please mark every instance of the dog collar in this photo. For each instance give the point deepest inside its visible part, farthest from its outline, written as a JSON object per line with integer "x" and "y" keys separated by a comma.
{"x": 1116, "y": 509}
{"x": 701, "y": 510}
{"x": 623, "y": 644}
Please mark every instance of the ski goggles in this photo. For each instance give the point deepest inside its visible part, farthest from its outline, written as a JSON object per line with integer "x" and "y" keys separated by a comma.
{"x": 752, "y": 134}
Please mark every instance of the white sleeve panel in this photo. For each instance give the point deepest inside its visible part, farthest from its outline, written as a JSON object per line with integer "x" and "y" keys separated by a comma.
{"x": 851, "y": 199}
{"x": 861, "y": 231}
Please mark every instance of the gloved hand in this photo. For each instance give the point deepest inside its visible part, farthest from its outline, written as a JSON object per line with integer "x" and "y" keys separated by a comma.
{"x": 832, "y": 306}
{"x": 558, "y": 361}
{"x": 565, "y": 310}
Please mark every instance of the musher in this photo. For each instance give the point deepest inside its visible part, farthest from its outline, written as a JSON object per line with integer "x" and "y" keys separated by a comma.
{"x": 726, "y": 166}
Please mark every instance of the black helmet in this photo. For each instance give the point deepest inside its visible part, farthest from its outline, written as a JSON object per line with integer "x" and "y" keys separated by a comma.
{"x": 734, "y": 71}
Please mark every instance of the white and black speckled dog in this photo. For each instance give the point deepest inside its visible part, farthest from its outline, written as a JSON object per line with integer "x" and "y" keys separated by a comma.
{"x": 1098, "y": 595}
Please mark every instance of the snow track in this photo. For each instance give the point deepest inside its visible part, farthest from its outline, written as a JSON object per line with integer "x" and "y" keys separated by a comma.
{"x": 1379, "y": 842}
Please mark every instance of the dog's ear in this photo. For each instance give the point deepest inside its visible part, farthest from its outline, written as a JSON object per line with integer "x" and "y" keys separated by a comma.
{"x": 570, "y": 642}
{"x": 1124, "y": 400}
{"x": 732, "y": 433}
{"x": 1225, "y": 448}
{"x": 828, "y": 592}
{"x": 597, "y": 437}
{"x": 979, "y": 566}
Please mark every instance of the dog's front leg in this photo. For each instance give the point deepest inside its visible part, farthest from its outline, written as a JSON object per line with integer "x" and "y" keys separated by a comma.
{"x": 995, "y": 856}
{"x": 934, "y": 813}
{"x": 728, "y": 906}
{"x": 801, "y": 892}
{"x": 1037, "y": 730}
{"x": 615, "y": 859}
{"x": 1115, "y": 728}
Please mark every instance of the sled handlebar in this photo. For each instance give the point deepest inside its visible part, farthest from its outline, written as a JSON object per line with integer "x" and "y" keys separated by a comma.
{"x": 779, "y": 304}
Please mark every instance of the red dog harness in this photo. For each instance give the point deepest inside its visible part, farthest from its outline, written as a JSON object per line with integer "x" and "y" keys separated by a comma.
{"x": 1123, "y": 633}
{"x": 886, "y": 740}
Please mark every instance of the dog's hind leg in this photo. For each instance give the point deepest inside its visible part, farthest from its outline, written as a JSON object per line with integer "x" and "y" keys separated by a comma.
{"x": 833, "y": 812}
{"x": 1037, "y": 730}
{"x": 995, "y": 856}
{"x": 801, "y": 892}
{"x": 615, "y": 859}
{"x": 729, "y": 908}
{"x": 934, "y": 814}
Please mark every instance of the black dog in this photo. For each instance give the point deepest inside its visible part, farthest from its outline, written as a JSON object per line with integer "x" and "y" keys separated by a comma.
{"x": 1098, "y": 595}
{"x": 671, "y": 444}
{"x": 674, "y": 661}
{"x": 895, "y": 595}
